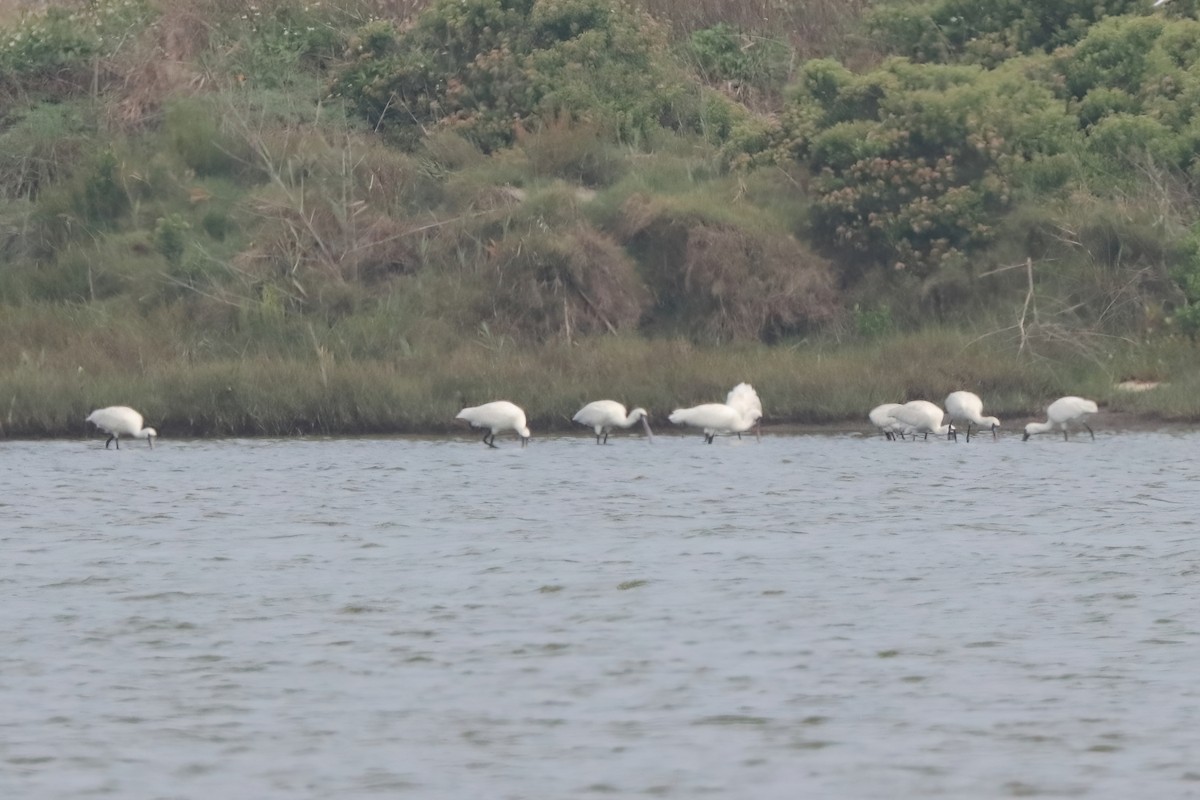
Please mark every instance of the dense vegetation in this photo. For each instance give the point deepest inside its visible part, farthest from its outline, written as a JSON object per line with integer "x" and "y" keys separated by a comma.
{"x": 298, "y": 217}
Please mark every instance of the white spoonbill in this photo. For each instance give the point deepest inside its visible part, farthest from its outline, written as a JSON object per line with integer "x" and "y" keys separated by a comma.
{"x": 1060, "y": 413}
{"x": 881, "y": 417}
{"x": 118, "y": 421}
{"x": 604, "y": 415}
{"x": 922, "y": 416}
{"x": 497, "y": 417}
{"x": 967, "y": 407}
{"x": 745, "y": 399}
{"x": 716, "y": 418}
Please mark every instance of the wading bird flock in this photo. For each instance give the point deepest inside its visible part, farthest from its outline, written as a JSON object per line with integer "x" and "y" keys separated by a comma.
{"x": 741, "y": 411}
{"x": 922, "y": 417}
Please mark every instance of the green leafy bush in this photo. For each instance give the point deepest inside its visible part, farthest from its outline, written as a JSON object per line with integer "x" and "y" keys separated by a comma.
{"x": 988, "y": 33}
{"x": 170, "y": 238}
{"x": 1121, "y": 137}
{"x": 485, "y": 68}
{"x": 911, "y": 164}
{"x": 873, "y": 323}
{"x": 271, "y": 45}
{"x": 1115, "y": 54}
{"x": 102, "y": 199}
{"x": 41, "y": 145}
{"x": 722, "y": 53}
{"x": 60, "y": 44}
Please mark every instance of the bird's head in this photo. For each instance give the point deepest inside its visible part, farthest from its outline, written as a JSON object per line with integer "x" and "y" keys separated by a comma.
{"x": 150, "y": 434}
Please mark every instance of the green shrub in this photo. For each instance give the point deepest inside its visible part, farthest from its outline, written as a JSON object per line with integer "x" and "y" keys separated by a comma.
{"x": 873, "y": 323}
{"x": 1102, "y": 102}
{"x": 988, "y": 33}
{"x": 193, "y": 127}
{"x": 1114, "y": 54}
{"x": 486, "y": 68}
{"x": 1126, "y": 139}
{"x": 272, "y": 45}
{"x": 912, "y": 164}
{"x": 55, "y": 50}
{"x": 103, "y": 199}
{"x": 216, "y": 224}
{"x": 170, "y": 238}
{"x": 40, "y": 145}
{"x": 724, "y": 54}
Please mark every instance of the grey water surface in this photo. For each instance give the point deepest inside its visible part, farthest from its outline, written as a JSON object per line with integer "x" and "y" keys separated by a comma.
{"x": 827, "y": 616}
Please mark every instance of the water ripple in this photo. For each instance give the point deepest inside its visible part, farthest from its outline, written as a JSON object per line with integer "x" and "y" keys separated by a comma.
{"x": 835, "y": 616}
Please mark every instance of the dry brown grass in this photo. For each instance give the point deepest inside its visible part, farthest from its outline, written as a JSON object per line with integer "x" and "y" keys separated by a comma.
{"x": 755, "y": 286}
{"x": 727, "y": 272}
{"x": 12, "y": 10}
{"x": 564, "y": 283}
{"x": 161, "y": 64}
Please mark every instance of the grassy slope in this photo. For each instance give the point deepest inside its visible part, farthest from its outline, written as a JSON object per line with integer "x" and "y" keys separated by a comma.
{"x": 403, "y": 356}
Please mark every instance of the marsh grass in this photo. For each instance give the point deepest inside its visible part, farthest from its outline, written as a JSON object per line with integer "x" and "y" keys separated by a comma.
{"x": 283, "y": 378}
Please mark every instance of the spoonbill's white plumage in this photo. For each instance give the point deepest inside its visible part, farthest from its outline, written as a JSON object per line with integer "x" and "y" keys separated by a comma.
{"x": 743, "y": 398}
{"x": 716, "y": 418}
{"x": 497, "y": 417}
{"x": 881, "y": 417}
{"x": 118, "y": 421}
{"x": 967, "y": 407}
{"x": 1060, "y": 414}
{"x": 921, "y": 416}
{"x": 604, "y": 415}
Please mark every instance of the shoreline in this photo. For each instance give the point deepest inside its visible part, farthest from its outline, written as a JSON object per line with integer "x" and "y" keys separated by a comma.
{"x": 1104, "y": 421}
